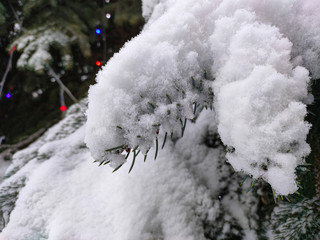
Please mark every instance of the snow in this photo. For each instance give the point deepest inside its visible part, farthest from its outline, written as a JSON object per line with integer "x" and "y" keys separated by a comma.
{"x": 61, "y": 194}
{"x": 148, "y": 7}
{"x": 245, "y": 58}
{"x": 3, "y": 167}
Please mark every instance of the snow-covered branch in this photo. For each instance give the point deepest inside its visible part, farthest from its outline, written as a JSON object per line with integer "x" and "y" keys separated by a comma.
{"x": 245, "y": 55}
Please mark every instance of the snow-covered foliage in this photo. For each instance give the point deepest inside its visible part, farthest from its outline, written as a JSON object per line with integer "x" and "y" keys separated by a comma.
{"x": 249, "y": 57}
{"x": 35, "y": 47}
{"x": 297, "y": 220}
{"x": 53, "y": 191}
{"x": 258, "y": 100}
{"x": 51, "y": 27}
{"x": 26, "y": 161}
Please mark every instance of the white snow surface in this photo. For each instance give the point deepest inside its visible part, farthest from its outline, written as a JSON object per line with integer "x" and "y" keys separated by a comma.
{"x": 254, "y": 56}
{"x": 148, "y": 7}
{"x": 66, "y": 196}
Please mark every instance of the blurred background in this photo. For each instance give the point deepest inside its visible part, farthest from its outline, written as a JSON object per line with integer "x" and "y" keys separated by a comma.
{"x": 45, "y": 39}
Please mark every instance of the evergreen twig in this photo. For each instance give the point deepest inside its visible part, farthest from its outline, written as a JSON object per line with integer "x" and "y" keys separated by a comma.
{"x": 156, "y": 153}
{"x": 164, "y": 141}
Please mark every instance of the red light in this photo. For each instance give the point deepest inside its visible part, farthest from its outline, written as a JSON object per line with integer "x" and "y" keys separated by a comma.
{"x": 63, "y": 108}
{"x": 13, "y": 49}
{"x": 98, "y": 63}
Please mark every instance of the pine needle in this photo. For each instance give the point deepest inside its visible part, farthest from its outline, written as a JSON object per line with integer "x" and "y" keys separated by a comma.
{"x": 115, "y": 148}
{"x": 151, "y": 105}
{"x": 251, "y": 186}
{"x": 135, "y": 148}
{"x": 244, "y": 179}
{"x": 145, "y": 156}
{"x": 195, "y": 108}
{"x": 156, "y": 154}
{"x": 193, "y": 82}
{"x": 164, "y": 141}
{"x": 128, "y": 154}
{"x": 312, "y": 113}
{"x": 167, "y": 95}
{"x": 201, "y": 86}
{"x": 184, "y": 127}
{"x": 100, "y": 163}
{"x": 274, "y": 196}
{"x": 117, "y": 168}
{"x": 133, "y": 161}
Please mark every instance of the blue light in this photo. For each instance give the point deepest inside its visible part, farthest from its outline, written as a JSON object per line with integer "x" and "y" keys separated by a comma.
{"x": 98, "y": 31}
{"x": 8, "y": 95}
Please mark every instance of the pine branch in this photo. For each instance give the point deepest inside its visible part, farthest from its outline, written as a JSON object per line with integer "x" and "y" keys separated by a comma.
{"x": 11, "y": 149}
{"x": 55, "y": 76}
{"x": 316, "y": 169}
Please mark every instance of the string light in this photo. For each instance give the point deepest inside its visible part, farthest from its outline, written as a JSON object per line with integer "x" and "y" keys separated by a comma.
{"x": 98, "y": 31}
{"x": 108, "y": 15}
{"x": 63, "y": 108}
{"x": 8, "y": 95}
{"x": 98, "y": 63}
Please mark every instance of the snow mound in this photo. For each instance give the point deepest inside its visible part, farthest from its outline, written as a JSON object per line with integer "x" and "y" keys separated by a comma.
{"x": 53, "y": 191}
{"x": 246, "y": 56}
